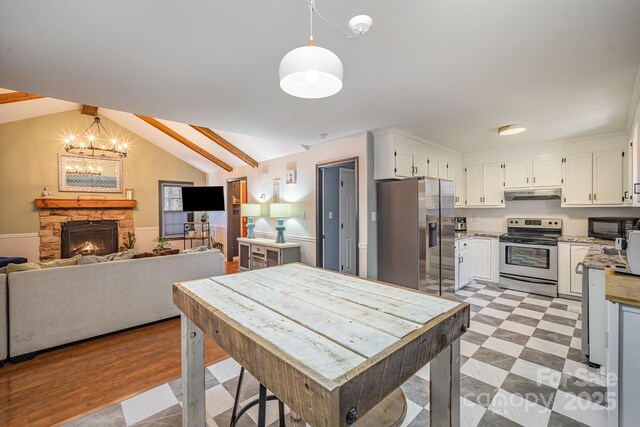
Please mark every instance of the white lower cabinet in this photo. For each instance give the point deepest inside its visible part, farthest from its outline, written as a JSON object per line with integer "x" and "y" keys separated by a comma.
{"x": 477, "y": 259}
{"x": 570, "y": 257}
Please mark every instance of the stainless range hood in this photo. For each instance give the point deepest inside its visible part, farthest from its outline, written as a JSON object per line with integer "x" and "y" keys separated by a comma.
{"x": 548, "y": 194}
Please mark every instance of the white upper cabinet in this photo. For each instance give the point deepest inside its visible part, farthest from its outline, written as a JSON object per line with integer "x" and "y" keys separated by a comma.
{"x": 607, "y": 178}
{"x": 474, "y": 186}
{"x": 403, "y": 165}
{"x": 547, "y": 172}
{"x": 442, "y": 170}
{"x": 420, "y": 164}
{"x": 484, "y": 185}
{"x": 578, "y": 178}
{"x": 456, "y": 174}
{"x": 433, "y": 170}
{"x": 517, "y": 174}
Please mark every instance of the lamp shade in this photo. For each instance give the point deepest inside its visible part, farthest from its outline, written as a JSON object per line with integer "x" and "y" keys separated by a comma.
{"x": 281, "y": 210}
{"x": 311, "y": 72}
{"x": 250, "y": 209}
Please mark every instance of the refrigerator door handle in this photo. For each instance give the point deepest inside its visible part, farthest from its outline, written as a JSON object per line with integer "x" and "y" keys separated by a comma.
{"x": 433, "y": 234}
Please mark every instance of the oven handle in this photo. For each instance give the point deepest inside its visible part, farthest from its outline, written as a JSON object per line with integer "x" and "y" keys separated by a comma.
{"x": 528, "y": 279}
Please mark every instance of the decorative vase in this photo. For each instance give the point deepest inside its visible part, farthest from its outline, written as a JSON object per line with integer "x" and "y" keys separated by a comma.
{"x": 280, "y": 229}
{"x": 250, "y": 226}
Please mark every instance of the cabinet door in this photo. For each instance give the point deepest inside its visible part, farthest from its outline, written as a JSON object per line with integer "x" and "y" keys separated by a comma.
{"x": 243, "y": 261}
{"x": 547, "y": 172}
{"x": 608, "y": 169}
{"x": 442, "y": 170}
{"x": 474, "y": 185}
{"x": 564, "y": 268}
{"x": 421, "y": 165}
{"x": 578, "y": 174}
{"x": 403, "y": 167}
{"x": 481, "y": 254}
{"x": 465, "y": 263}
{"x": 516, "y": 174}
{"x": 433, "y": 168}
{"x": 272, "y": 257}
{"x": 577, "y": 254}
{"x": 492, "y": 184}
{"x": 457, "y": 174}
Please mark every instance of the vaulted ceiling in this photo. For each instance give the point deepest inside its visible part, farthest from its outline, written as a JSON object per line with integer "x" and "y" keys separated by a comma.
{"x": 449, "y": 71}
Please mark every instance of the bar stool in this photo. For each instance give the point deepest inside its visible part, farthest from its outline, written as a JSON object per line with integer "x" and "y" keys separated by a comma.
{"x": 261, "y": 401}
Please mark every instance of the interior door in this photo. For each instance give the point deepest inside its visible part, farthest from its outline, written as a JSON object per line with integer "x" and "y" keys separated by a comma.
{"x": 492, "y": 184}
{"x": 608, "y": 170}
{"x": 347, "y": 221}
{"x": 578, "y": 173}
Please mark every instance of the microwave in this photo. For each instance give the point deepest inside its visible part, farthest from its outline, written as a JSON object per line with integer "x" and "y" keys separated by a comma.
{"x": 610, "y": 227}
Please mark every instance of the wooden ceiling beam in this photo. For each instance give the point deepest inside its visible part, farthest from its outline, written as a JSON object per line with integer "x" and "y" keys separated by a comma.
{"x": 89, "y": 110}
{"x": 184, "y": 141}
{"x": 226, "y": 145}
{"x": 7, "y": 98}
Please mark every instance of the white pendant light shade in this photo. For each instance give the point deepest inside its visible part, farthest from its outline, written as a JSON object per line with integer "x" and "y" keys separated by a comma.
{"x": 311, "y": 72}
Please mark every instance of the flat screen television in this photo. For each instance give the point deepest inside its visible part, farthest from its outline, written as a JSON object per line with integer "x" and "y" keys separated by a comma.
{"x": 202, "y": 199}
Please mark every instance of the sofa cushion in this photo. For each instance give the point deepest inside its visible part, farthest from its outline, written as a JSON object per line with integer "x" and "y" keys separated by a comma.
{"x": 193, "y": 250}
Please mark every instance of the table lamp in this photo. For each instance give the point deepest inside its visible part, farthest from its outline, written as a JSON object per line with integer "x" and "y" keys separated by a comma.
{"x": 250, "y": 210}
{"x": 281, "y": 211}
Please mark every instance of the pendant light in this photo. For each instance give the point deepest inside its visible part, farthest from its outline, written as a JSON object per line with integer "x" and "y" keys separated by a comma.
{"x": 314, "y": 72}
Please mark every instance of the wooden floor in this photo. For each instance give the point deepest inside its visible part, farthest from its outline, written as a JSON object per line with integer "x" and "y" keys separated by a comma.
{"x": 70, "y": 382}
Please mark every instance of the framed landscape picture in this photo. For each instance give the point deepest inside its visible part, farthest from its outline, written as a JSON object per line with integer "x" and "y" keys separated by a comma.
{"x": 89, "y": 175}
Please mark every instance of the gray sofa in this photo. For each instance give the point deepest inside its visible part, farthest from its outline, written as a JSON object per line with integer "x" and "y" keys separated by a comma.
{"x": 56, "y": 306}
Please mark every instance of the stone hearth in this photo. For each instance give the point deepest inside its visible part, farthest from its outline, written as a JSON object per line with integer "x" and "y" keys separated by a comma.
{"x": 51, "y": 221}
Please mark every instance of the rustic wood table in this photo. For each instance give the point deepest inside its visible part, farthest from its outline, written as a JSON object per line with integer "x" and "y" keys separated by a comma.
{"x": 328, "y": 345}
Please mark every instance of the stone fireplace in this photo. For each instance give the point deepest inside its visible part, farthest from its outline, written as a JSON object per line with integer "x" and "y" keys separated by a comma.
{"x": 58, "y": 213}
{"x": 89, "y": 238}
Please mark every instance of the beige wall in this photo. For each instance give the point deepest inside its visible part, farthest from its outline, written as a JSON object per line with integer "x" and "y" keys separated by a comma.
{"x": 28, "y": 161}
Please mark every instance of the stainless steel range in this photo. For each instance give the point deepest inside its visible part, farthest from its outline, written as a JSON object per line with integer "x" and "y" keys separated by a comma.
{"x": 529, "y": 255}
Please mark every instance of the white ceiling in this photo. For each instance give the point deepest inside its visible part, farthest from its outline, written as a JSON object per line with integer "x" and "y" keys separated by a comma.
{"x": 449, "y": 71}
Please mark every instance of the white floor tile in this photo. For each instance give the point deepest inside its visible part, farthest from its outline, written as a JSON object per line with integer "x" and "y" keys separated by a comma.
{"x": 218, "y": 400}
{"x": 464, "y": 293}
{"x": 477, "y": 301}
{"x": 494, "y": 313}
{"x": 579, "y": 324}
{"x": 528, "y": 313}
{"x": 425, "y": 372}
{"x": 413, "y": 410}
{"x": 484, "y": 372}
{"x": 548, "y": 347}
{"x": 467, "y": 349}
{"x": 536, "y": 301}
{"x": 506, "y": 301}
{"x": 503, "y": 346}
{"x": 225, "y": 370}
{"x": 537, "y": 373}
{"x": 580, "y": 409}
{"x": 490, "y": 293}
{"x": 470, "y": 413}
{"x": 556, "y": 327}
{"x": 563, "y": 313}
{"x": 584, "y": 372}
{"x": 148, "y": 403}
{"x": 517, "y": 293}
{"x": 482, "y": 328}
{"x": 517, "y": 327}
{"x": 519, "y": 410}
{"x": 576, "y": 343}
{"x": 569, "y": 302}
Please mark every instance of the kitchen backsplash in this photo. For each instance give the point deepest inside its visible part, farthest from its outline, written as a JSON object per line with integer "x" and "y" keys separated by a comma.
{"x": 574, "y": 219}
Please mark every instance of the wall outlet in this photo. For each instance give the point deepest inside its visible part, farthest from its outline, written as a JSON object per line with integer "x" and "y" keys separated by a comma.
{"x": 330, "y": 215}
{"x": 373, "y": 217}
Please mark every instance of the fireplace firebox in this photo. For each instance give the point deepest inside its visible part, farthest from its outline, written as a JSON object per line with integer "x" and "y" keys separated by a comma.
{"x": 89, "y": 238}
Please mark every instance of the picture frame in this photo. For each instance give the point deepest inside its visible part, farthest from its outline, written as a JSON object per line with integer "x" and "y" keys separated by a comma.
{"x": 276, "y": 191}
{"x": 81, "y": 174}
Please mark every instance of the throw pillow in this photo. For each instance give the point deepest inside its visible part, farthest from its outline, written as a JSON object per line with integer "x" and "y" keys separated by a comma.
{"x": 168, "y": 252}
{"x": 66, "y": 262}
{"x": 119, "y": 256}
{"x": 194, "y": 250}
{"x": 11, "y": 268}
{"x": 92, "y": 259}
{"x": 144, "y": 255}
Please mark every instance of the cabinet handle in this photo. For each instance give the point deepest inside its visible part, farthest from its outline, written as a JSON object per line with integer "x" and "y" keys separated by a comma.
{"x": 626, "y": 195}
{"x": 527, "y": 180}
{"x": 577, "y": 267}
{"x": 635, "y": 188}
{"x": 534, "y": 179}
{"x": 594, "y": 196}
{"x": 589, "y": 197}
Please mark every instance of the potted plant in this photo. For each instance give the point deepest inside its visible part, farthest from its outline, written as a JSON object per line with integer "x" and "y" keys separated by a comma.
{"x": 162, "y": 244}
{"x": 191, "y": 231}
{"x": 213, "y": 244}
{"x": 130, "y": 241}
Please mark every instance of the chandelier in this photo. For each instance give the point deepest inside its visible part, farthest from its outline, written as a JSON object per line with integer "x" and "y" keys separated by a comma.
{"x": 92, "y": 142}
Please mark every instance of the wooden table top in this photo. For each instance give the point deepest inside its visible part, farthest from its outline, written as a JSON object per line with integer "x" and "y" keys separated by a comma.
{"x": 622, "y": 288}
{"x": 323, "y": 342}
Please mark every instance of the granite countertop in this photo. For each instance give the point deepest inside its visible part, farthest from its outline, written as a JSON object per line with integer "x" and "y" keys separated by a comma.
{"x": 595, "y": 259}
{"x": 585, "y": 239}
{"x": 459, "y": 235}
{"x": 622, "y": 288}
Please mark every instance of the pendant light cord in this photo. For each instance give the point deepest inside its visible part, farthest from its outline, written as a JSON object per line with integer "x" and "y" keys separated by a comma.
{"x": 313, "y": 9}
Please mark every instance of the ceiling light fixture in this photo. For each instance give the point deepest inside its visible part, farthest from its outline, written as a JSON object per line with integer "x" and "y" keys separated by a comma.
{"x": 511, "y": 130}
{"x": 314, "y": 72}
{"x": 92, "y": 143}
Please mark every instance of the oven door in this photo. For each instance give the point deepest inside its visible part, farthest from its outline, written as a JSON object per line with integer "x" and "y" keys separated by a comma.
{"x": 529, "y": 261}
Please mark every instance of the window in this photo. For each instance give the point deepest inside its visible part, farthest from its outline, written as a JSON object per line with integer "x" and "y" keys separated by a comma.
{"x": 171, "y": 216}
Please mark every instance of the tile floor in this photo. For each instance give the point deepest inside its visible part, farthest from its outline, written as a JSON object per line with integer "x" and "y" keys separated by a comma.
{"x": 521, "y": 364}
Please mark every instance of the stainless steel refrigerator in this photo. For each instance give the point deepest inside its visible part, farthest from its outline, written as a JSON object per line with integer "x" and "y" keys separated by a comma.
{"x": 416, "y": 243}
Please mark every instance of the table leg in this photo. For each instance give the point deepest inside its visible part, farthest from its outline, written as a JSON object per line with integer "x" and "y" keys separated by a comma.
{"x": 193, "y": 406}
{"x": 445, "y": 387}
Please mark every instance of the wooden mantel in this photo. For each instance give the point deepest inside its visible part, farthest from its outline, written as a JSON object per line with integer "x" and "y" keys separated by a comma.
{"x": 85, "y": 204}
